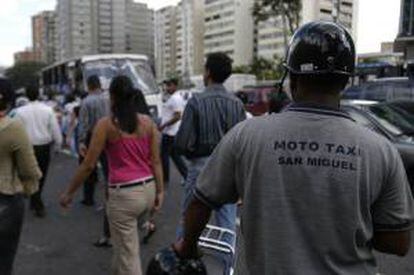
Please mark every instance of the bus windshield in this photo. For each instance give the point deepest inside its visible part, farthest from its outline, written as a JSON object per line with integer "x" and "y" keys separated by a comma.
{"x": 137, "y": 70}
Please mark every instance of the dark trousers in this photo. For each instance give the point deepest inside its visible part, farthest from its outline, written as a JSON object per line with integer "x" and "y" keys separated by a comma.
{"x": 42, "y": 153}
{"x": 168, "y": 150}
{"x": 89, "y": 184}
{"x": 104, "y": 163}
{"x": 11, "y": 221}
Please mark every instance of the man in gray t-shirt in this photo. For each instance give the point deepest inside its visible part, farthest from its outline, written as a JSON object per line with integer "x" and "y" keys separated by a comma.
{"x": 319, "y": 192}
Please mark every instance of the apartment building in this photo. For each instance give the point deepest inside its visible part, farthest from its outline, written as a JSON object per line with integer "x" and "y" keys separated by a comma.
{"x": 405, "y": 41}
{"x": 139, "y": 29}
{"x": 165, "y": 42}
{"x": 75, "y": 28}
{"x": 189, "y": 37}
{"x": 271, "y": 41}
{"x": 104, "y": 26}
{"x": 28, "y": 55}
{"x": 229, "y": 28}
{"x": 45, "y": 36}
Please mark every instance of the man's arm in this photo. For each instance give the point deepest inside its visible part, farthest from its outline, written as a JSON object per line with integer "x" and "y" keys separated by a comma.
{"x": 176, "y": 117}
{"x": 27, "y": 168}
{"x": 84, "y": 124}
{"x": 397, "y": 243}
{"x": 186, "y": 138}
{"x": 176, "y": 105}
{"x": 56, "y": 134}
{"x": 216, "y": 186}
{"x": 393, "y": 211}
{"x": 197, "y": 216}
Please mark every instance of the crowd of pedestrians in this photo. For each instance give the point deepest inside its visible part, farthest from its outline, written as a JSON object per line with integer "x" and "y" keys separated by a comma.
{"x": 317, "y": 193}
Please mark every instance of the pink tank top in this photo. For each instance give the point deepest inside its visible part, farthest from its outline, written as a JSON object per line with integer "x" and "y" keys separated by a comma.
{"x": 129, "y": 159}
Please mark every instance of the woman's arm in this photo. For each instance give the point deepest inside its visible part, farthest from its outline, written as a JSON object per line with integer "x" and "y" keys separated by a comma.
{"x": 27, "y": 169}
{"x": 157, "y": 166}
{"x": 88, "y": 165}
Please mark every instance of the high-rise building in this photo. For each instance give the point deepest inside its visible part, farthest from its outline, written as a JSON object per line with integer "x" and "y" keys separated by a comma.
{"x": 405, "y": 40}
{"x": 28, "y": 55}
{"x": 45, "y": 36}
{"x": 74, "y": 28}
{"x": 140, "y": 29}
{"x": 190, "y": 35}
{"x": 271, "y": 41}
{"x": 165, "y": 42}
{"x": 104, "y": 26}
{"x": 229, "y": 28}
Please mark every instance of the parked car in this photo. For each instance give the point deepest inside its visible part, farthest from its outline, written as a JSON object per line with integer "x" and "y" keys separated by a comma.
{"x": 259, "y": 98}
{"x": 387, "y": 89}
{"x": 407, "y": 106}
{"x": 388, "y": 123}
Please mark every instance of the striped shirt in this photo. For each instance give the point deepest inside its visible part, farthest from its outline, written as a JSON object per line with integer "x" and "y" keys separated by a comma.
{"x": 94, "y": 107}
{"x": 207, "y": 118}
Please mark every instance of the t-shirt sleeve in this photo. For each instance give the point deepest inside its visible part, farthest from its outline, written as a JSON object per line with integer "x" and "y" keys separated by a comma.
{"x": 394, "y": 208}
{"x": 216, "y": 185}
{"x": 176, "y": 104}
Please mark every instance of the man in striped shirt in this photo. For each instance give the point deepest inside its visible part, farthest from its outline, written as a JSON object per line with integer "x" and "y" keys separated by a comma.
{"x": 207, "y": 118}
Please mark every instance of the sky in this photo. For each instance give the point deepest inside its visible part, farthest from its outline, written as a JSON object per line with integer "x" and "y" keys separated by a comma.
{"x": 377, "y": 22}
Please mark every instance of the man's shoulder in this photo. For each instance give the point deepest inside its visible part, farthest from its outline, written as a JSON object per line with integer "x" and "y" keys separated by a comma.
{"x": 92, "y": 99}
{"x": 34, "y": 107}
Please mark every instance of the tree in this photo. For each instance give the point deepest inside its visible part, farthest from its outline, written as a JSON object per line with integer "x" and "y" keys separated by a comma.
{"x": 288, "y": 10}
{"x": 24, "y": 74}
{"x": 262, "y": 68}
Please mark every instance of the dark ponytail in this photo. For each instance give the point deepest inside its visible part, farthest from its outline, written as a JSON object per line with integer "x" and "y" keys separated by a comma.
{"x": 123, "y": 104}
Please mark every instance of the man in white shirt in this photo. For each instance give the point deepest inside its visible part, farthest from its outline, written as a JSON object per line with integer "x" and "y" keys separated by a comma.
{"x": 43, "y": 129}
{"x": 171, "y": 118}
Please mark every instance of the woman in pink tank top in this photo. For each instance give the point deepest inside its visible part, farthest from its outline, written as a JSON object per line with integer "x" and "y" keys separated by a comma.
{"x": 131, "y": 144}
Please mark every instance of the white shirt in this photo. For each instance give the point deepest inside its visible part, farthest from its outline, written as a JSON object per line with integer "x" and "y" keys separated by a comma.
{"x": 174, "y": 104}
{"x": 41, "y": 124}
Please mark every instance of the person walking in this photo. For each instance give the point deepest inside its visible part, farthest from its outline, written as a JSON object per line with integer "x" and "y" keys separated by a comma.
{"x": 44, "y": 132}
{"x": 172, "y": 110}
{"x": 131, "y": 144}
{"x": 19, "y": 174}
{"x": 207, "y": 118}
{"x": 320, "y": 192}
{"x": 94, "y": 107}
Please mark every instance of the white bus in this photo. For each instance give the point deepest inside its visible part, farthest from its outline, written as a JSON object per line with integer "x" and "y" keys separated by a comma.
{"x": 70, "y": 76}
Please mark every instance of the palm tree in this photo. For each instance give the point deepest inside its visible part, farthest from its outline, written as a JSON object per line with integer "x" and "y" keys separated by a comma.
{"x": 288, "y": 10}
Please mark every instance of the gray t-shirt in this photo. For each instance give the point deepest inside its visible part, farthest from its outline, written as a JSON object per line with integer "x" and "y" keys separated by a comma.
{"x": 315, "y": 186}
{"x": 94, "y": 107}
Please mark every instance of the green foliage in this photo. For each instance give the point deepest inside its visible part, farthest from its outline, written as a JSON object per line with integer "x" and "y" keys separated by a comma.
{"x": 262, "y": 68}
{"x": 24, "y": 74}
{"x": 290, "y": 9}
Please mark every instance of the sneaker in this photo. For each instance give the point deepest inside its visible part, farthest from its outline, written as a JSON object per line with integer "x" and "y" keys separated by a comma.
{"x": 103, "y": 242}
{"x": 87, "y": 202}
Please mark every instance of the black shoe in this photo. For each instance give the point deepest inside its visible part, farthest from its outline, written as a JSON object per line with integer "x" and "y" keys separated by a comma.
{"x": 88, "y": 202}
{"x": 40, "y": 213}
{"x": 103, "y": 242}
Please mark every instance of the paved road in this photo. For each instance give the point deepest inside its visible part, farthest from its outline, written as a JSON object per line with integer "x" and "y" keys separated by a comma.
{"x": 61, "y": 244}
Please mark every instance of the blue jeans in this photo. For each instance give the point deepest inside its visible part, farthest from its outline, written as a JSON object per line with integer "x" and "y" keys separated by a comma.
{"x": 224, "y": 217}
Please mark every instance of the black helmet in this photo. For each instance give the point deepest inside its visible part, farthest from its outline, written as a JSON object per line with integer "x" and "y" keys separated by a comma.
{"x": 321, "y": 48}
{"x": 167, "y": 262}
